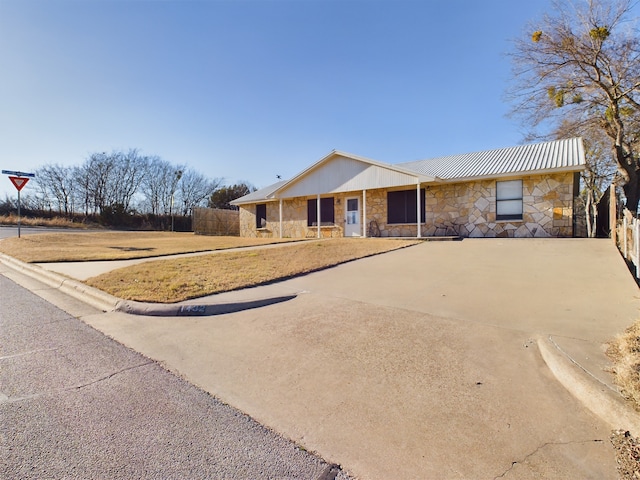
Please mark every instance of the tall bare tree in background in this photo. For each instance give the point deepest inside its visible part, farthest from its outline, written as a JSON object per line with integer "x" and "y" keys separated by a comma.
{"x": 127, "y": 175}
{"x": 195, "y": 189}
{"x": 97, "y": 170}
{"x": 580, "y": 68}
{"x": 159, "y": 185}
{"x": 57, "y": 182}
{"x": 121, "y": 182}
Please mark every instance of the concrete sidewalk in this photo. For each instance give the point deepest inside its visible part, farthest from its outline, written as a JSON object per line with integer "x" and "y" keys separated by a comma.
{"x": 423, "y": 362}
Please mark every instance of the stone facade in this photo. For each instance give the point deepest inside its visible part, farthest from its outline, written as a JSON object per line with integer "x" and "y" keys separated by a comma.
{"x": 469, "y": 209}
{"x": 294, "y": 223}
{"x": 456, "y": 209}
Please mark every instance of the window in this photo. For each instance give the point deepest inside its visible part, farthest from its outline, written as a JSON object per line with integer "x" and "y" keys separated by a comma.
{"x": 326, "y": 212}
{"x": 509, "y": 200}
{"x": 261, "y": 215}
{"x": 401, "y": 206}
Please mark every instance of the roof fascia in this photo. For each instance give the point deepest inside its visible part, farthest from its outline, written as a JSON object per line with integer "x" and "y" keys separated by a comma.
{"x": 251, "y": 202}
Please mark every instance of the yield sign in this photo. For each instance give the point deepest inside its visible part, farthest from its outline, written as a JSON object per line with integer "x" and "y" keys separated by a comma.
{"x": 19, "y": 182}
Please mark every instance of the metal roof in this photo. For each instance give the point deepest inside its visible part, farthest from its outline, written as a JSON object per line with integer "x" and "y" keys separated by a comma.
{"x": 259, "y": 195}
{"x": 567, "y": 155}
{"x": 558, "y": 155}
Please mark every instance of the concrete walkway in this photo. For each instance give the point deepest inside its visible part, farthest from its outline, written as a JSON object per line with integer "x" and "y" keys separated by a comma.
{"x": 441, "y": 360}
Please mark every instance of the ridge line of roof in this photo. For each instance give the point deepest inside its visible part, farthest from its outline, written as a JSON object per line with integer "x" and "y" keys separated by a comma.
{"x": 491, "y": 150}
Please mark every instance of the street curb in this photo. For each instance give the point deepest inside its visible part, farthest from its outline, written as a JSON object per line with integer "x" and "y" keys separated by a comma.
{"x": 593, "y": 394}
{"x": 108, "y": 303}
{"x": 92, "y": 296}
{"x": 193, "y": 310}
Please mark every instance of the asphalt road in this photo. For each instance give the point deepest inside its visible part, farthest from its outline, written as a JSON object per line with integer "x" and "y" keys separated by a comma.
{"x": 76, "y": 404}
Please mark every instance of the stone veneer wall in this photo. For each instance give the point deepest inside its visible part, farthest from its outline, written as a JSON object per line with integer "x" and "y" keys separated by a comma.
{"x": 469, "y": 209}
{"x": 294, "y": 223}
{"x": 461, "y": 209}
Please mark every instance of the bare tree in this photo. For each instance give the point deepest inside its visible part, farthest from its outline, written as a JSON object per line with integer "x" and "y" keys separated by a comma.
{"x": 98, "y": 173}
{"x": 117, "y": 180}
{"x": 153, "y": 186}
{"x": 195, "y": 189}
{"x": 128, "y": 173}
{"x": 110, "y": 180}
{"x": 57, "y": 181}
{"x": 160, "y": 184}
{"x": 582, "y": 64}
{"x": 40, "y": 199}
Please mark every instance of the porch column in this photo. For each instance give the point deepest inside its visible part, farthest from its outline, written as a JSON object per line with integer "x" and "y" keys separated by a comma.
{"x": 364, "y": 213}
{"x": 419, "y": 213}
{"x": 280, "y": 217}
{"x": 318, "y": 213}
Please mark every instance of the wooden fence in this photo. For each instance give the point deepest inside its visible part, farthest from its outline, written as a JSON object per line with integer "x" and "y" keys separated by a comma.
{"x": 627, "y": 238}
{"x": 213, "y": 221}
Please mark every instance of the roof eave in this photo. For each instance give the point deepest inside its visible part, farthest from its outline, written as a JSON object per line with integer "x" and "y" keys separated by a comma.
{"x": 255, "y": 200}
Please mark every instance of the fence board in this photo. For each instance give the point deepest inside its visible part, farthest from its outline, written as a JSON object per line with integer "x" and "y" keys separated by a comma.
{"x": 628, "y": 239}
{"x": 214, "y": 221}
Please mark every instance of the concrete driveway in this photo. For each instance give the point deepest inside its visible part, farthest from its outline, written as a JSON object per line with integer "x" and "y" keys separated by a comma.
{"x": 420, "y": 363}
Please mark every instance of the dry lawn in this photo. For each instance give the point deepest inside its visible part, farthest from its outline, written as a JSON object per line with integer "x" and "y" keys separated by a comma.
{"x": 84, "y": 246}
{"x": 169, "y": 281}
{"x": 624, "y": 352}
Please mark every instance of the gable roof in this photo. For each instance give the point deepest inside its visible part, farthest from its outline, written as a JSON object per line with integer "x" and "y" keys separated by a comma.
{"x": 337, "y": 172}
{"x": 354, "y": 173}
{"x": 344, "y": 172}
{"x": 557, "y": 155}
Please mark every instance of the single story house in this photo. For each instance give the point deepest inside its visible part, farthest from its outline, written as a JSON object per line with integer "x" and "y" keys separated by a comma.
{"x": 522, "y": 191}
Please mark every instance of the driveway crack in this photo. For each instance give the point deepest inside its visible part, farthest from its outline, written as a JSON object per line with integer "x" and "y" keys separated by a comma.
{"x": 544, "y": 445}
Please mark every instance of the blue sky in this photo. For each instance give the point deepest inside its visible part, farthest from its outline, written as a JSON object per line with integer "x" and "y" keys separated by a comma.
{"x": 247, "y": 90}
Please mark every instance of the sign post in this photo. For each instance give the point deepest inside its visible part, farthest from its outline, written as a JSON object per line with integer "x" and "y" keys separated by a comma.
{"x": 19, "y": 180}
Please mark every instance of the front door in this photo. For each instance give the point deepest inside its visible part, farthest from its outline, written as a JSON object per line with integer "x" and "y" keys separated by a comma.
{"x": 352, "y": 226}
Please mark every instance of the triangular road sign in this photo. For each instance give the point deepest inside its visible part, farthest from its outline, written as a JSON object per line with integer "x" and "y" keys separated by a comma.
{"x": 19, "y": 182}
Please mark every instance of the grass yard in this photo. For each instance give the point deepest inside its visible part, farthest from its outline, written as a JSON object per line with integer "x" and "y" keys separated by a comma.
{"x": 624, "y": 351}
{"x": 174, "y": 280}
{"x": 59, "y": 222}
{"x": 109, "y": 245}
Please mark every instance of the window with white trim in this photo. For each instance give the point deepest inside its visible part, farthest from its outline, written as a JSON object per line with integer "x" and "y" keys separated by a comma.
{"x": 327, "y": 216}
{"x": 509, "y": 200}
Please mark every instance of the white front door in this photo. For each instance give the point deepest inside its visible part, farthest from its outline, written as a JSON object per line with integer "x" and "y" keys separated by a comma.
{"x": 352, "y": 226}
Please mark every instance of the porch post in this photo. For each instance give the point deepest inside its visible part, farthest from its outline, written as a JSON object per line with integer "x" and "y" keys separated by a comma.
{"x": 364, "y": 213}
{"x": 318, "y": 213}
{"x": 419, "y": 213}
{"x": 280, "y": 217}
